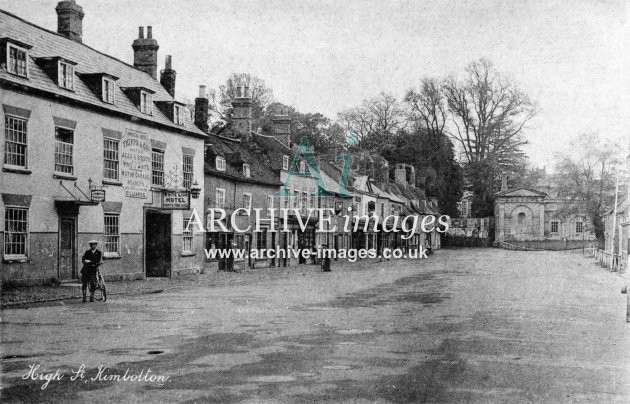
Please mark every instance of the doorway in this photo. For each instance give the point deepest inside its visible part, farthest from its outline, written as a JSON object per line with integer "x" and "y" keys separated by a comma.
{"x": 273, "y": 246}
{"x": 157, "y": 252}
{"x": 67, "y": 248}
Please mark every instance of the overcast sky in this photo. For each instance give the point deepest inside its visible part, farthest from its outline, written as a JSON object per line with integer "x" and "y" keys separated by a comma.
{"x": 572, "y": 57}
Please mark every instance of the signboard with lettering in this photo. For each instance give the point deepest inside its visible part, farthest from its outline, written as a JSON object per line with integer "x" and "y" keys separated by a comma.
{"x": 97, "y": 195}
{"x": 135, "y": 164}
{"x": 175, "y": 200}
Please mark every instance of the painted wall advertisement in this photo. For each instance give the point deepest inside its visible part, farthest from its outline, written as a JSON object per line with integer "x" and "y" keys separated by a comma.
{"x": 135, "y": 164}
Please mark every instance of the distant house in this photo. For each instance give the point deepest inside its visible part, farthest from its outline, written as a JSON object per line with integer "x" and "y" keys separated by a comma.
{"x": 617, "y": 229}
{"x": 542, "y": 217}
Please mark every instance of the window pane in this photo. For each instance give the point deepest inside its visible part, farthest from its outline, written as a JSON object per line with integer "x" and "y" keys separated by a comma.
{"x": 188, "y": 171}
{"x": 157, "y": 166}
{"x": 112, "y": 233}
{"x": 108, "y": 91}
{"x": 15, "y": 231}
{"x": 17, "y": 61}
{"x": 220, "y": 197}
{"x": 63, "y": 150}
{"x": 65, "y": 75}
{"x": 110, "y": 159}
{"x": 15, "y": 141}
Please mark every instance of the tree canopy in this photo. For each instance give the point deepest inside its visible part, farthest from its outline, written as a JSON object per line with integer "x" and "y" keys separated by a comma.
{"x": 588, "y": 175}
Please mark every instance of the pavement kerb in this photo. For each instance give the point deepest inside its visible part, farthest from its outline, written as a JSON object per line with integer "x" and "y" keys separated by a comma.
{"x": 59, "y": 299}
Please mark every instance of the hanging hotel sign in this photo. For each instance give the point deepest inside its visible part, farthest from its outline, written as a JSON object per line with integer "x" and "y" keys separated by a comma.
{"x": 97, "y": 195}
{"x": 176, "y": 200}
{"x": 135, "y": 162}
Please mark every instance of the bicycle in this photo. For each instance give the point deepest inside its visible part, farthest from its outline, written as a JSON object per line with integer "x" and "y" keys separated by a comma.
{"x": 100, "y": 290}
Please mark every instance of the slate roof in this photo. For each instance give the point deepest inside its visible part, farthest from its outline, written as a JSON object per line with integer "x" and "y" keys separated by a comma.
{"x": 237, "y": 152}
{"x": 274, "y": 149}
{"x": 361, "y": 184}
{"x": 46, "y": 43}
{"x": 380, "y": 190}
{"x": 621, "y": 206}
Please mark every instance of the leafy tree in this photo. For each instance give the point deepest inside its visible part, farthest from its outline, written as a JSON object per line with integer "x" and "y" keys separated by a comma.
{"x": 588, "y": 176}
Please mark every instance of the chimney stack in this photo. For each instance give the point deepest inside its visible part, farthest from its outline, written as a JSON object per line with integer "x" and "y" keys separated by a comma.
{"x": 400, "y": 175}
{"x": 281, "y": 127}
{"x": 242, "y": 112}
{"x": 201, "y": 110}
{"x": 167, "y": 77}
{"x": 412, "y": 176}
{"x": 145, "y": 52}
{"x": 70, "y": 20}
{"x": 504, "y": 180}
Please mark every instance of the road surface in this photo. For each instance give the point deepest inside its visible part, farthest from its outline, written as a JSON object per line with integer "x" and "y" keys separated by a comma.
{"x": 473, "y": 325}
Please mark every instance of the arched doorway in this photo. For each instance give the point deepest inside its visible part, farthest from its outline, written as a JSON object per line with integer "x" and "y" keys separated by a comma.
{"x": 522, "y": 221}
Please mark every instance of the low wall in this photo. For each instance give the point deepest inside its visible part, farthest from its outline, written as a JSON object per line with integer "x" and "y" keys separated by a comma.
{"x": 461, "y": 241}
{"x": 554, "y": 245}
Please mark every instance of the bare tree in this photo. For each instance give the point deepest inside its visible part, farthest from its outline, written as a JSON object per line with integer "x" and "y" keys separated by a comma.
{"x": 489, "y": 113}
{"x": 587, "y": 176}
{"x": 378, "y": 117}
{"x": 427, "y": 106}
{"x": 261, "y": 95}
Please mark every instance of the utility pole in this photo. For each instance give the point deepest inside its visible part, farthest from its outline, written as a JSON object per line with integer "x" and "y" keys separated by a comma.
{"x": 614, "y": 225}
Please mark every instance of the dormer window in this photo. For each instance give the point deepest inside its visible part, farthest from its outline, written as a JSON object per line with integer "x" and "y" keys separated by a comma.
{"x": 142, "y": 97}
{"x": 285, "y": 162}
{"x": 17, "y": 59}
{"x": 178, "y": 114}
{"x": 220, "y": 163}
{"x": 246, "y": 171}
{"x": 146, "y": 103}
{"x": 65, "y": 75}
{"x": 103, "y": 85}
{"x": 302, "y": 166}
{"x": 107, "y": 86}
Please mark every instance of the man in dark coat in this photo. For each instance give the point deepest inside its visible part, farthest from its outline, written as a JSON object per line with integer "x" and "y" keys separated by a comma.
{"x": 91, "y": 260}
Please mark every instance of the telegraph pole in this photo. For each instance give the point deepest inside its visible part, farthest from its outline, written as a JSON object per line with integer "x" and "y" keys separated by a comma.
{"x": 614, "y": 225}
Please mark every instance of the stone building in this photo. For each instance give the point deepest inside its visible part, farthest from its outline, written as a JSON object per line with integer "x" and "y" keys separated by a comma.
{"x": 540, "y": 218}
{"x": 93, "y": 148}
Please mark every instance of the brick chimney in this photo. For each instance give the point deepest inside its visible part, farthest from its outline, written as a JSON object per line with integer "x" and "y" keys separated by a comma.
{"x": 281, "y": 127}
{"x": 400, "y": 175}
{"x": 201, "y": 110}
{"x": 70, "y": 20}
{"x": 504, "y": 180}
{"x": 412, "y": 176}
{"x": 242, "y": 112}
{"x": 167, "y": 77}
{"x": 145, "y": 52}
